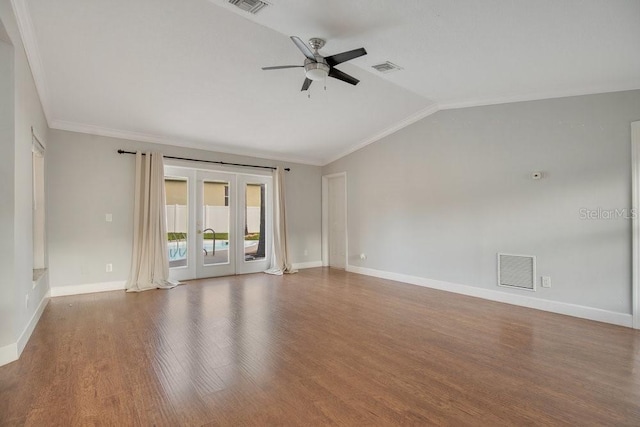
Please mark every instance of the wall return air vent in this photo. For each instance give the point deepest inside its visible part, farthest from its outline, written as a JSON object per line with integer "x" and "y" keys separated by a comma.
{"x": 517, "y": 271}
{"x": 251, "y": 6}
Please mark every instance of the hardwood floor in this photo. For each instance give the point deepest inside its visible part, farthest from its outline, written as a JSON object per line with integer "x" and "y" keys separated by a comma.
{"x": 321, "y": 347}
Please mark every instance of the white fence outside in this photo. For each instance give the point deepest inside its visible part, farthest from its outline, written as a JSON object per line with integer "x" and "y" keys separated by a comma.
{"x": 215, "y": 217}
{"x": 177, "y": 218}
{"x": 253, "y": 219}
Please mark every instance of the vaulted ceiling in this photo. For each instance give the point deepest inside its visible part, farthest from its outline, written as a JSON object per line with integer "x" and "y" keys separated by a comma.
{"x": 188, "y": 72}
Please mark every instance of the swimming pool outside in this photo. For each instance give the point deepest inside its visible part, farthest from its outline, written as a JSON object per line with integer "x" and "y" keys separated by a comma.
{"x": 178, "y": 250}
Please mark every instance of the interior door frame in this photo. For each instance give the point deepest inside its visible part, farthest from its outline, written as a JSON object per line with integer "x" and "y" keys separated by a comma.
{"x": 635, "y": 221}
{"x": 325, "y": 219}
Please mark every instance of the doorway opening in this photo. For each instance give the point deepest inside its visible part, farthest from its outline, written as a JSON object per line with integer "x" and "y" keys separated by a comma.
{"x": 334, "y": 221}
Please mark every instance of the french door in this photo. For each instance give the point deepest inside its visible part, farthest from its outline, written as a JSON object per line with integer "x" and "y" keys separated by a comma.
{"x": 218, "y": 223}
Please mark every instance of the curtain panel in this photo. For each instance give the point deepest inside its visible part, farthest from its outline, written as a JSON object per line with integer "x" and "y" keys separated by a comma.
{"x": 281, "y": 260}
{"x": 150, "y": 258}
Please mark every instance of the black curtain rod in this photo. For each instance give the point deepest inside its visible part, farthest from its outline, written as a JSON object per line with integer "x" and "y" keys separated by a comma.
{"x": 208, "y": 161}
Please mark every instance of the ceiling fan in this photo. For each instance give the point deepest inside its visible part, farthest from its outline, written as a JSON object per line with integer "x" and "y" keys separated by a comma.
{"x": 317, "y": 67}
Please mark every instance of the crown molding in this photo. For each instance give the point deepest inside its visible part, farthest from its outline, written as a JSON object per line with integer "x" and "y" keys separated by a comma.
{"x": 30, "y": 44}
{"x": 434, "y": 108}
{"x": 421, "y": 114}
{"x": 29, "y": 41}
{"x": 157, "y": 139}
{"x": 538, "y": 96}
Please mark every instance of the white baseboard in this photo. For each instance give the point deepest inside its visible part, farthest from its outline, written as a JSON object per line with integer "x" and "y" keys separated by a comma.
{"x": 28, "y": 330}
{"x": 622, "y": 319}
{"x": 310, "y": 264}
{"x": 8, "y": 354}
{"x": 11, "y": 352}
{"x": 61, "y": 291}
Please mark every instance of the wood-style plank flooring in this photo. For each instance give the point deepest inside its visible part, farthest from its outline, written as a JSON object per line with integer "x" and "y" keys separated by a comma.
{"x": 321, "y": 347}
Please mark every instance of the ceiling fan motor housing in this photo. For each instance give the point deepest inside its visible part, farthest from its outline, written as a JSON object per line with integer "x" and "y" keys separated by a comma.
{"x": 316, "y": 70}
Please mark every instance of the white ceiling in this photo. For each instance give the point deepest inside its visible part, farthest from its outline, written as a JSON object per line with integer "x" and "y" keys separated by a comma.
{"x": 187, "y": 72}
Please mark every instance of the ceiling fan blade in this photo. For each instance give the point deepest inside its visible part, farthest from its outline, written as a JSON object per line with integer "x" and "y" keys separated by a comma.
{"x": 306, "y": 84}
{"x": 303, "y": 48}
{"x": 337, "y": 74}
{"x": 339, "y": 58}
{"x": 281, "y": 67}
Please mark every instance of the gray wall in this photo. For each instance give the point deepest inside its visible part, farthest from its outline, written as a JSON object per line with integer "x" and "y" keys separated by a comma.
{"x": 441, "y": 197}
{"x": 7, "y": 147}
{"x": 88, "y": 178}
{"x": 16, "y": 192}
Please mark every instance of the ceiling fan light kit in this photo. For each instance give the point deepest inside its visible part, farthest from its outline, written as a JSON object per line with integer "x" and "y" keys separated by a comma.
{"x": 316, "y": 67}
{"x": 316, "y": 70}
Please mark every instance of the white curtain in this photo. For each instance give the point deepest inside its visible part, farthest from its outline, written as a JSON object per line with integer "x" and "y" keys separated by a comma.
{"x": 281, "y": 261}
{"x": 150, "y": 258}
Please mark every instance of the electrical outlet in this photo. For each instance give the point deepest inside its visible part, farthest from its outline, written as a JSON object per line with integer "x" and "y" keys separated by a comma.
{"x": 546, "y": 281}
{"x": 108, "y": 217}
{"x": 363, "y": 256}
{"x": 306, "y": 252}
{"x": 109, "y": 268}
{"x": 26, "y": 301}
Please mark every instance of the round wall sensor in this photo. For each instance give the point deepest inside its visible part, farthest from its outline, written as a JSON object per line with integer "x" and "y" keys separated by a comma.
{"x": 536, "y": 175}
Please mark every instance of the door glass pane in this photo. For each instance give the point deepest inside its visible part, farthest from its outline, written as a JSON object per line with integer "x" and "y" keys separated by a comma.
{"x": 176, "y": 192}
{"x": 216, "y": 218}
{"x": 254, "y": 227}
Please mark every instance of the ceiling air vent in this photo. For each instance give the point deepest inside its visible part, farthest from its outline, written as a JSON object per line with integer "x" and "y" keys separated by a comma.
{"x": 387, "y": 67}
{"x": 251, "y": 6}
{"x": 517, "y": 271}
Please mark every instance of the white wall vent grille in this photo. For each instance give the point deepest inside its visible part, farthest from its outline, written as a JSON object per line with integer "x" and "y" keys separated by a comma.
{"x": 386, "y": 67}
{"x": 251, "y": 6}
{"x": 517, "y": 271}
